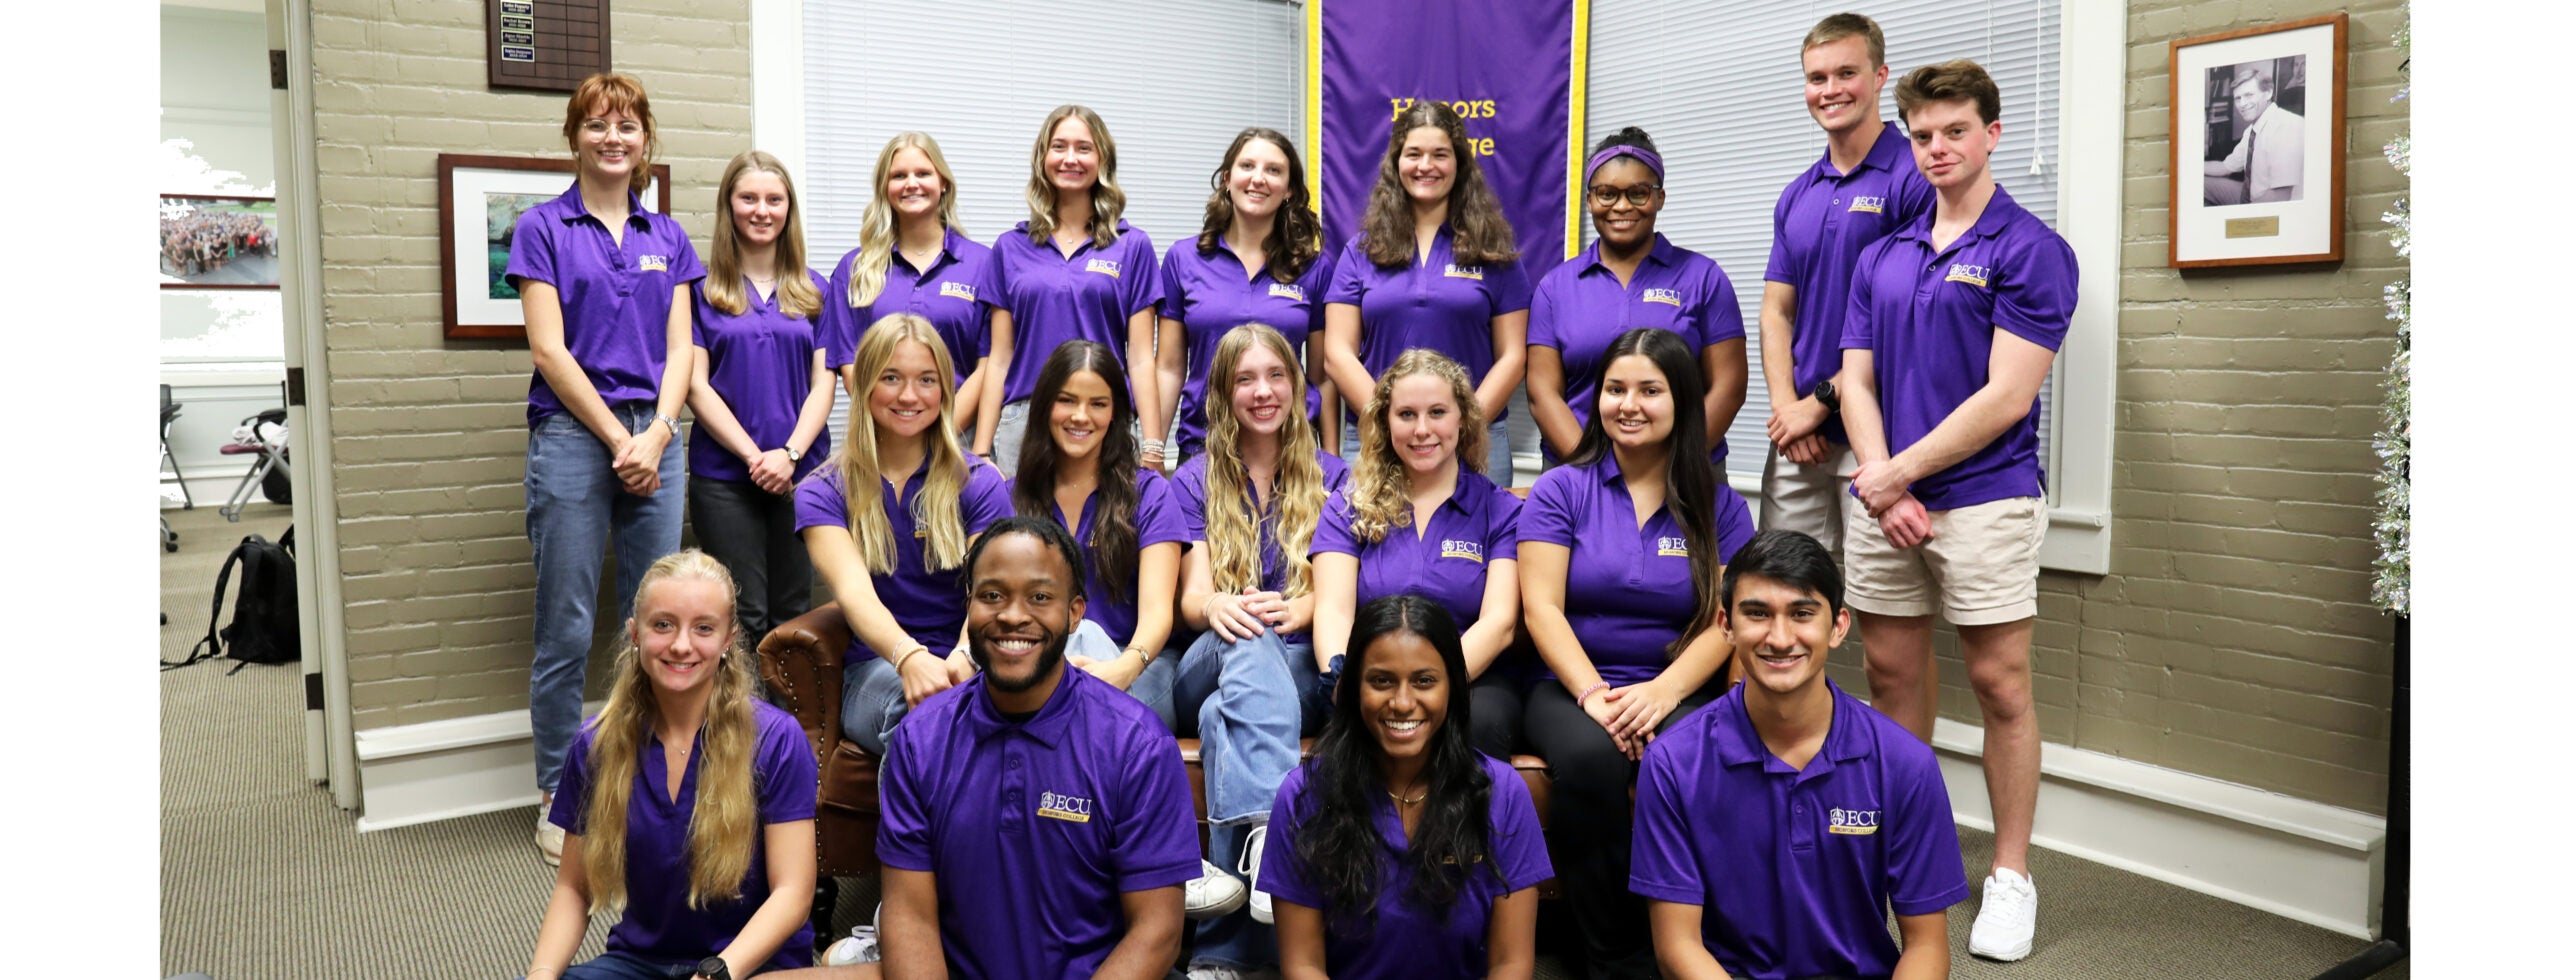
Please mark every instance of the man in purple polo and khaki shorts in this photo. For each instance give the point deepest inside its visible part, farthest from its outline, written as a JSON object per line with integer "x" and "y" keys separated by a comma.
{"x": 1953, "y": 323}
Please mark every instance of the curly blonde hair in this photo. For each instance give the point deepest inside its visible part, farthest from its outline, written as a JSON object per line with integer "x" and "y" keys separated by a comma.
{"x": 1381, "y": 490}
{"x": 725, "y": 834}
{"x": 1297, "y": 495}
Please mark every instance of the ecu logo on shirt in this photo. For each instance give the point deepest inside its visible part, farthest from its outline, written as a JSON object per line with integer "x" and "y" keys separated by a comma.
{"x": 1855, "y": 823}
{"x": 1456, "y": 271}
{"x": 1869, "y": 203}
{"x": 653, "y": 263}
{"x": 1469, "y": 550}
{"x": 960, "y": 291}
{"x": 1670, "y": 547}
{"x": 1107, "y": 267}
{"x": 1072, "y": 809}
{"x": 1288, "y": 291}
{"x": 1973, "y": 275}
{"x": 1662, "y": 295}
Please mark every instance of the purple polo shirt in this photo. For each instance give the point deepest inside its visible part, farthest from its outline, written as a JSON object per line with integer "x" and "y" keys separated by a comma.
{"x": 1580, "y": 309}
{"x": 1406, "y": 938}
{"x": 657, "y": 925}
{"x": 957, "y": 292}
{"x": 1824, "y": 219}
{"x": 1792, "y": 870}
{"x": 614, "y": 298}
{"x": 1210, "y": 295}
{"x": 760, "y": 367}
{"x": 928, "y": 604}
{"x": 1430, "y": 302}
{"x": 1445, "y": 562}
{"x": 1033, "y": 830}
{"x": 1157, "y": 521}
{"x": 1929, "y": 317}
{"x": 1626, "y": 588}
{"x": 1190, "y": 492}
{"x": 1089, "y": 295}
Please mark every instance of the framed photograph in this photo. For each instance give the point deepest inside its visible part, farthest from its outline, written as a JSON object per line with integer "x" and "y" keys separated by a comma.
{"x": 217, "y": 242}
{"x": 479, "y": 200}
{"x": 2257, "y": 145}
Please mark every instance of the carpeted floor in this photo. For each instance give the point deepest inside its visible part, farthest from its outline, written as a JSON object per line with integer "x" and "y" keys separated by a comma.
{"x": 262, "y": 878}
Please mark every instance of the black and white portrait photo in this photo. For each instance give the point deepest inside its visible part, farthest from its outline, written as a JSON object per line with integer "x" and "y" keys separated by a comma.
{"x": 2257, "y": 149}
{"x": 2253, "y": 120}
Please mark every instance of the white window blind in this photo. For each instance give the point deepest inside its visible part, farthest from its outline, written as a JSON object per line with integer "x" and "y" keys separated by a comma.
{"x": 1720, "y": 88}
{"x": 1174, "y": 79}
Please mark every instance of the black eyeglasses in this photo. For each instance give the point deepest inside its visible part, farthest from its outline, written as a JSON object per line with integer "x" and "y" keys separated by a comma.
{"x": 1638, "y": 195}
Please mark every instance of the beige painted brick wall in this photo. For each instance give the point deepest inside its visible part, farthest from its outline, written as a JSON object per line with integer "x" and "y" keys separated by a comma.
{"x": 2234, "y": 639}
{"x": 429, "y": 433}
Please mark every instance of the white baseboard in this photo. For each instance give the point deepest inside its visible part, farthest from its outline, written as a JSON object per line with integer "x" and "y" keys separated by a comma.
{"x": 2305, "y": 861}
{"x": 439, "y": 770}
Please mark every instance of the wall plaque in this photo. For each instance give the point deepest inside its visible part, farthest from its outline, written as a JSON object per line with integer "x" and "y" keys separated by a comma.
{"x": 548, "y": 45}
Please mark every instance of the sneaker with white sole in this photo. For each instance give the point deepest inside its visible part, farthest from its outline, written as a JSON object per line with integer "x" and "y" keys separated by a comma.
{"x": 1213, "y": 894}
{"x": 1252, "y": 865}
{"x": 1214, "y": 971}
{"x": 862, "y": 945}
{"x": 2005, "y": 929}
{"x": 548, "y": 838}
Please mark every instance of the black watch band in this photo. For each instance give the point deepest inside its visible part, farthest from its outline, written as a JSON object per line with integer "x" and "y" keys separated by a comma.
{"x": 1828, "y": 394}
{"x": 715, "y": 968}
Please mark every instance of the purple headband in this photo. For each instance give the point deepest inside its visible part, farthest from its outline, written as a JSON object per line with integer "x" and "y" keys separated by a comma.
{"x": 1642, "y": 155}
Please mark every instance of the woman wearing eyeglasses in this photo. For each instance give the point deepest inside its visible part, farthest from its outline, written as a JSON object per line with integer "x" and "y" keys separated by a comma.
{"x": 1634, "y": 278}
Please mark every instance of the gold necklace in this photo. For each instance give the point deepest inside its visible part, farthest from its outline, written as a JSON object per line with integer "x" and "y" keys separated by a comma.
{"x": 1416, "y": 799}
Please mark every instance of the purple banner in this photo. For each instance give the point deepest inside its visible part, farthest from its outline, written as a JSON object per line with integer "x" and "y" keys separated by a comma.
{"x": 1505, "y": 65}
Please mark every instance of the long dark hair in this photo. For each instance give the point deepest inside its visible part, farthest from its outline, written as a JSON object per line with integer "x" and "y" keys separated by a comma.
{"x": 1296, "y": 236}
{"x": 1690, "y": 489}
{"x": 1035, "y": 482}
{"x": 1479, "y": 233}
{"x": 1337, "y": 836}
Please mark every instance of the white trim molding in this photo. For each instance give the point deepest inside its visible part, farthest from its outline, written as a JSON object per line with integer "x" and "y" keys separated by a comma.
{"x": 2079, "y": 536}
{"x": 2305, "y": 861}
{"x": 776, "y": 96}
{"x": 439, "y": 770}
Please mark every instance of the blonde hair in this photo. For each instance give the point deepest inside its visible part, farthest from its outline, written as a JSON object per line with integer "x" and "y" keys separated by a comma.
{"x": 724, "y": 837}
{"x": 1297, "y": 482}
{"x": 792, "y": 290}
{"x": 880, "y": 219}
{"x": 1381, "y": 490}
{"x": 612, "y": 92}
{"x": 1108, "y": 201}
{"x": 946, "y": 465}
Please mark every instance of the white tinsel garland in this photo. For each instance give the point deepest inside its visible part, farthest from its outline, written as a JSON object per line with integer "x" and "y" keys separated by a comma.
{"x": 2391, "y": 527}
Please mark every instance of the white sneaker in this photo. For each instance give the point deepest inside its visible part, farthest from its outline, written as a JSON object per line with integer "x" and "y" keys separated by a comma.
{"x": 861, "y": 946}
{"x": 2005, "y": 929}
{"x": 1213, "y": 894}
{"x": 1252, "y": 865}
{"x": 1214, "y": 971}
{"x": 549, "y": 838}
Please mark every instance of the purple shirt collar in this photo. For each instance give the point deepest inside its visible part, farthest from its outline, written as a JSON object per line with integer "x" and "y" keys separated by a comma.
{"x": 1051, "y": 726}
{"x": 1738, "y": 742}
{"x": 1891, "y": 138}
{"x": 1996, "y": 218}
{"x": 1120, "y": 229}
{"x": 1659, "y": 254}
{"x": 578, "y": 207}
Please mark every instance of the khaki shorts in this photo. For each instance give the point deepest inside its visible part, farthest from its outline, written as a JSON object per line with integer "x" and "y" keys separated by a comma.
{"x": 1980, "y": 565}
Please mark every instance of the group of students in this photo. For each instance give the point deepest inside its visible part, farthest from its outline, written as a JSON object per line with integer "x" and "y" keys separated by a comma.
{"x": 1012, "y": 559}
{"x": 201, "y": 241}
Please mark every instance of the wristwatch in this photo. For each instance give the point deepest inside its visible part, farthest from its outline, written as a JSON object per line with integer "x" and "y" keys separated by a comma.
{"x": 793, "y": 453}
{"x": 1828, "y": 394}
{"x": 669, "y": 420}
{"x": 714, "y": 968}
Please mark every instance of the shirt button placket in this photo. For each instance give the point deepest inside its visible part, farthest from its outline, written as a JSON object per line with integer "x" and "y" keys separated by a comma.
{"x": 1010, "y": 818}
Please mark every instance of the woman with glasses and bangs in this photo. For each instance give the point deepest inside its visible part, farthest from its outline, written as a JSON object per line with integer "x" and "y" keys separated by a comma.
{"x": 1633, "y": 278}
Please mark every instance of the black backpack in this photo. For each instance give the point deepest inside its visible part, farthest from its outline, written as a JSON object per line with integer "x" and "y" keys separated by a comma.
{"x": 266, "y": 626}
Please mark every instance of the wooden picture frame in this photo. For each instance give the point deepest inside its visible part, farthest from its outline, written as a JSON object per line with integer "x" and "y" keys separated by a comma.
{"x": 219, "y": 241}
{"x": 2258, "y": 145}
{"x": 485, "y": 194}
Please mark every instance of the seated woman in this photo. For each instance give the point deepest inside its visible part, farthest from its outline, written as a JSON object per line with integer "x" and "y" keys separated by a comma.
{"x": 888, "y": 521}
{"x": 1399, "y": 851}
{"x": 689, "y": 801}
{"x": 1620, "y": 549}
{"x": 1080, "y": 468}
{"x": 1250, "y": 502}
{"x": 1419, "y": 516}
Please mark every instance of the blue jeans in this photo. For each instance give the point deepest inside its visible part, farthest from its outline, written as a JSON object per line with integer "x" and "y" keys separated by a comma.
{"x": 1497, "y": 448}
{"x": 1255, "y": 699}
{"x": 875, "y": 701}
{"x": 574, "y": 505}
{"x": 624, "y": 966}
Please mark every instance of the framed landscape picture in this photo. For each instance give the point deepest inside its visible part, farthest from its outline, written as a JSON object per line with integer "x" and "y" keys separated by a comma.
{"x": 480, "y": 198}
{"x": 2257, "y": 145}
{"x": 213, "y": 242}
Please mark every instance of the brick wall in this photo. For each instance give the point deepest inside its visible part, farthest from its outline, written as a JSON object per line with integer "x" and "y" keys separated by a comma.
{"x": 429, "y": 433}
{"x": 2233, "y": 639}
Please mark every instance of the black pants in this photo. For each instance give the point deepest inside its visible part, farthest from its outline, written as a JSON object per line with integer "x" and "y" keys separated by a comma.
{"x": 749, "y": 530}
{"x": 1591, "y": 826}
{"x": 1493, "y": 711}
